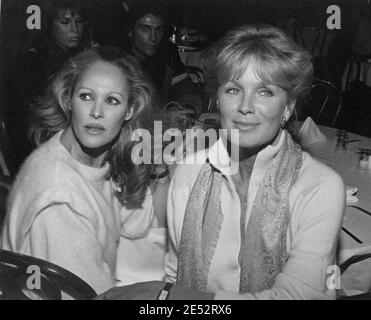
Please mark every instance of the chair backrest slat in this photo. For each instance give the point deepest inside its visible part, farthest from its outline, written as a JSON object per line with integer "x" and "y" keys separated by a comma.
{"x": 54, "y": 280}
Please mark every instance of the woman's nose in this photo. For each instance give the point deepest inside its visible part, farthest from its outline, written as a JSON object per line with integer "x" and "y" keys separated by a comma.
{"x": 97, "y": 111}
{"x": 247, "y": 103}
{"x": 74, "y": 26}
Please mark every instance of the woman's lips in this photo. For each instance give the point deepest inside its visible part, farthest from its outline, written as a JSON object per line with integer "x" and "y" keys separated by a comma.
{"x": 94, "y": 129}
{"x": 245, "y": 125}
{"x": 151, "y": 47}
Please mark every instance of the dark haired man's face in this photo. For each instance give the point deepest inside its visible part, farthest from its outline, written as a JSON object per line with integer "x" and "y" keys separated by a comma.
{"x": 146, "y": 35}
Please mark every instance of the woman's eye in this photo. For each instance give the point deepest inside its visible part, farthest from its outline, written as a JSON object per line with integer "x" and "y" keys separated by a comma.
{"x": 85, "y": 97}
{"x": 266, "y": 92}
{"x": 233, "y": 90}
{"x": 64, "y": 21}
{"x": 112, "y": 101}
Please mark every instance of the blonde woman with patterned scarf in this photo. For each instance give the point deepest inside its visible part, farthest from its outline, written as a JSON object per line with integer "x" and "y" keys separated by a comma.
{"x": 262, "y": 222}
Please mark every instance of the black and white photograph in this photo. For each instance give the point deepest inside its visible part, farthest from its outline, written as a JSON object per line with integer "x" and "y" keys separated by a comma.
{"x": 185, "y": 150}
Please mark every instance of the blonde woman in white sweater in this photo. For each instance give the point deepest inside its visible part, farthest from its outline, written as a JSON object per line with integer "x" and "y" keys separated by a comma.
{"x": 79, "y": 190}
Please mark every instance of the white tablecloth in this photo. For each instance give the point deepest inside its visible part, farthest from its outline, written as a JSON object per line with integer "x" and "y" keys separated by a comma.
{"x": 357, "y": 278}
{"x": 357, "y": 222}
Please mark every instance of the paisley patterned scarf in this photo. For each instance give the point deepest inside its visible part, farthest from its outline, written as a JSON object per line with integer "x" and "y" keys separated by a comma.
{"x": 263, "y": 245}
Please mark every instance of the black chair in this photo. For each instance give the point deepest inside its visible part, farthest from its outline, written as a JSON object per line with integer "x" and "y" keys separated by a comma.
{"x": 16, "y": 275}
{"x": 345, "y": 265}
{"x": 5, "y": 147}
{"x": 323, "y": 104}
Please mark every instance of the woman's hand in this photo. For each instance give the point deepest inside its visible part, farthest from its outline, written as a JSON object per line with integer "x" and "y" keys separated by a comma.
{"x": 150, "y": 291}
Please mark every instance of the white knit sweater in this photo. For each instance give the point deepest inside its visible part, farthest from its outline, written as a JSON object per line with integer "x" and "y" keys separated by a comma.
{"x": 65, "y": 212}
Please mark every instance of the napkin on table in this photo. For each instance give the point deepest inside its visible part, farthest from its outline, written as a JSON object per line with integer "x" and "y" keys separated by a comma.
{"x": 356, "y": 279}
{"x": 309, "y": 133}
{"x": 351, "y": 195}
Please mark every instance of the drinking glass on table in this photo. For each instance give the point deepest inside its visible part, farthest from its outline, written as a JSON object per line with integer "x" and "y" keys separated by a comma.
{"x": 342, "y": 139}
{"x": 363, "y": 162}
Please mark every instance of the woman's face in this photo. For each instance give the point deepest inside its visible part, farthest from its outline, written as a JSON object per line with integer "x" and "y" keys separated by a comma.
{"x": 99, "y": 105}
{"x": 68, "y": 28}
{"x": 253, "y": 107}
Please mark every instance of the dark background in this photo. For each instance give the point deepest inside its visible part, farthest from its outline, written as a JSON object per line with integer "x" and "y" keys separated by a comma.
{"x": 210, "y": 17}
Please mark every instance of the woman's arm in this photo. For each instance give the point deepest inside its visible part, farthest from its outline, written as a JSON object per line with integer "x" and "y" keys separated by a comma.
{"x": 66, "y": 238}
{"x": 171, "y": 257}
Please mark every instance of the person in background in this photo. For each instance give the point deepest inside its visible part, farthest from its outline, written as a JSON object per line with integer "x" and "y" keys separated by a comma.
{"x": 255, "y": 217}
{"x": 361, "y": 46}
{"x": 80, "y": 189}
{"x": 149, "y": 42}
{"x": 65, "y": 31}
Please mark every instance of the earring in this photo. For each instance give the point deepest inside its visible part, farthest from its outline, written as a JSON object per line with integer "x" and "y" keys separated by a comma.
{"x": 283, "y": 122}
{"x": 285, "y": 117}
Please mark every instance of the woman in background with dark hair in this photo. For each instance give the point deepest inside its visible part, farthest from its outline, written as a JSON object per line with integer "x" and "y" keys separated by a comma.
{"x": 65, "y": 32}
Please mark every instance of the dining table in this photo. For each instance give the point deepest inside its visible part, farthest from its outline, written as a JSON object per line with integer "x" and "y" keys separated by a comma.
{"x": 355, "y": 235}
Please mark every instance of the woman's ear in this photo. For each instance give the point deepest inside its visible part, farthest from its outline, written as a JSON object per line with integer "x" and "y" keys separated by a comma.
{"x": 68, "y": 104}
{"x": 129, "y": 113}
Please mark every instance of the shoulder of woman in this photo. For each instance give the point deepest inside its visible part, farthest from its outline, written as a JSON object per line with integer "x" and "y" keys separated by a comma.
{"x": 317, "y": 177}
{"x": 48, "y": 165}
{"x": 29, "y": 205}
{"x": 317, "y": 169}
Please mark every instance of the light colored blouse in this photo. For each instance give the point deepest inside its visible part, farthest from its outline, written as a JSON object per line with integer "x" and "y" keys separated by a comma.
{"x": 316, "y": 201}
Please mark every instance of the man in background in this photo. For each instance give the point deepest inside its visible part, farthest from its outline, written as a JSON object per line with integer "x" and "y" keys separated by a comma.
{"x": 149, "y": 42}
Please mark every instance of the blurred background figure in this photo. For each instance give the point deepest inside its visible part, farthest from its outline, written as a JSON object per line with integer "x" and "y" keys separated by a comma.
{"x": 65, "y": 31}
{"x": 149, "y": 41}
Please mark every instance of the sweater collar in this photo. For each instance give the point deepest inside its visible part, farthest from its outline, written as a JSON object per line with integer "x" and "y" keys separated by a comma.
{"x": 89, "y": 173}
